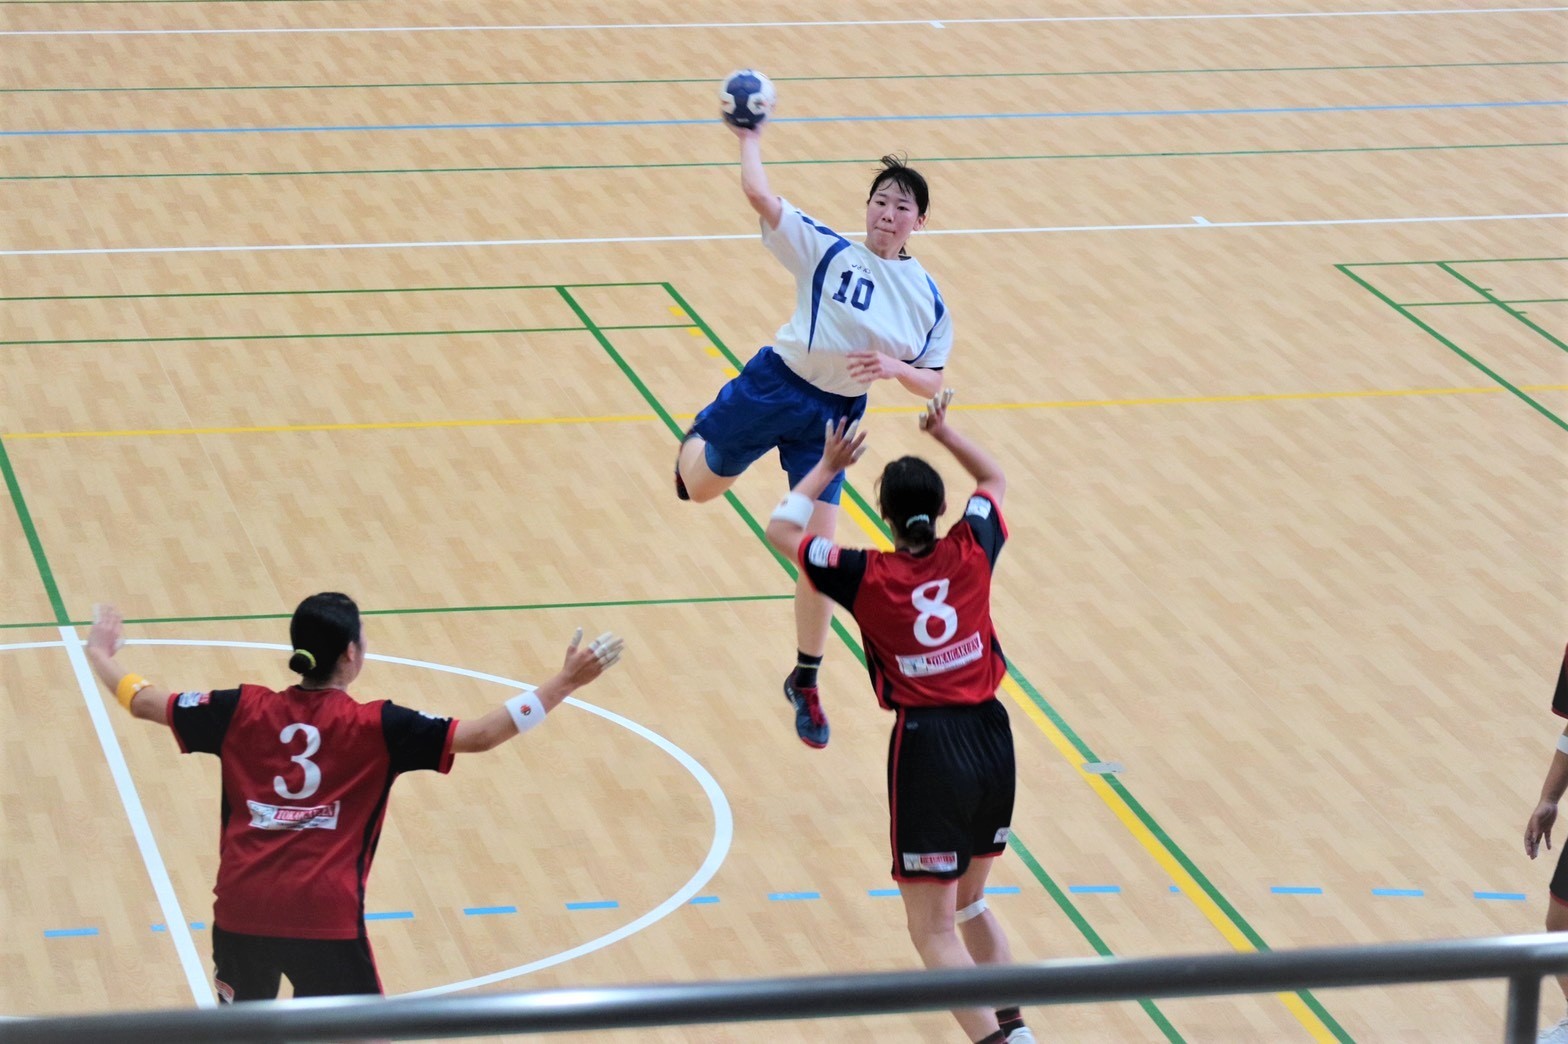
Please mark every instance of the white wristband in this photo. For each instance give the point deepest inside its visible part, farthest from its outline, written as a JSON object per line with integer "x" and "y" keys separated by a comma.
{"x": 1562, "y": 744}
{"x": 526, "y": 710}
{"x": 796, "y": 508}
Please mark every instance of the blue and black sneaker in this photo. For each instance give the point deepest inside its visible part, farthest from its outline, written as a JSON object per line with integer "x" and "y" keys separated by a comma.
{"x": 811, "y": 725}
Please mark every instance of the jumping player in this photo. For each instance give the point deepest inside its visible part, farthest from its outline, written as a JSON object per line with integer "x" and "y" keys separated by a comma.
{"x": 924, "y": 612}
{"x": 863, "y": 313}
{"x": 1539, "y": 829}
{"x": 306, "y": 776}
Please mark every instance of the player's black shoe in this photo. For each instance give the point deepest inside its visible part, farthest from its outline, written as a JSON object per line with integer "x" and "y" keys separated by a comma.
{"x": 811, "y": 725}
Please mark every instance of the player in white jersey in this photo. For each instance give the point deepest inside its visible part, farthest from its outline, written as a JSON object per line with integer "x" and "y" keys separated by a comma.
{"x": 864, "y": 312}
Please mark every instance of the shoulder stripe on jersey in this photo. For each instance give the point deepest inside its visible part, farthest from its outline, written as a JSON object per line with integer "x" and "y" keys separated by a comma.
{"x": 941, "y": 310}
{"x": 817, "y": 279}
{"x": 825, "y": 230}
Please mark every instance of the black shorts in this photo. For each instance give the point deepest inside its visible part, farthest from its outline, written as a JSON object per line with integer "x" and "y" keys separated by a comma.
{"x": 1559, "y": 886}
{"x": 248, "y": 967}
{"x": 950, "y": 783}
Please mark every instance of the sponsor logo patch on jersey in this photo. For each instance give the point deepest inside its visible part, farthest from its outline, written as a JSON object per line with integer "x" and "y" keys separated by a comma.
{"x": 980, "y": 507}
{"x": 291, "y": 817}
{"x": 822, "y": 553}
{"x": 942, "y": 660}
{"x": 1002, "y": 835}
{"x": 193, "y": 699}
{"x": 931, "y": 862}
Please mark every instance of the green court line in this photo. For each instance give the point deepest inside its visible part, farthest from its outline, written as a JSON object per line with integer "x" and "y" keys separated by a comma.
{"x": 711, "y": 164}
{"x": 651, "y": 81}
{"x": 1504, "y": 305}
{"x": 333, "y": 291}
{"x": 1083, "y": 748}
{"x": 1454, "y": 304}
{"x": 849, "y": 640}
{"x": 350, "y": 335}
{"x": 33, "y": 543}
{"x": 1450, "y": 345}
{"x": 438, "y": 610}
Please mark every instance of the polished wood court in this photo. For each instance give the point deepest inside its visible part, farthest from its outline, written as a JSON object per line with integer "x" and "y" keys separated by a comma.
{"x": 1265, "y": 316}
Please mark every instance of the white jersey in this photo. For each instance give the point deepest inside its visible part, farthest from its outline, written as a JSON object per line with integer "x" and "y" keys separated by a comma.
{"x": 848, "y": 299}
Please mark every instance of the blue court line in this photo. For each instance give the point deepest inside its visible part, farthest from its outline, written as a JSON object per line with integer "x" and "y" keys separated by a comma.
{"x": 391, "y": 915}
{"x": 785, "y": 897}
{"x": 597, "y": 904}
{"x": 932, "y": 117}
{"x": 882, "y": 893}
{"x": 1402, "y": 892}
{"x": 1296, "y": 890}
{"x": 1095, "y": 889}
{"x": 1514, "y": 897}
{"x": 478, "y": 911}
{"x": 702, "y": 900}
{"x": 1002, "y": 890}
{"x": 62, "y": 933}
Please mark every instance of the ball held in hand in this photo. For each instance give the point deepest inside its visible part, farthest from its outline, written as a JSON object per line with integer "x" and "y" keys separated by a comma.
{"x": 746, "y": 99}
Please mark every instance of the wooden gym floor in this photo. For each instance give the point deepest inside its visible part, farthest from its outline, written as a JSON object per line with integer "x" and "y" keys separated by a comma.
{"x": 1266, "y": 317}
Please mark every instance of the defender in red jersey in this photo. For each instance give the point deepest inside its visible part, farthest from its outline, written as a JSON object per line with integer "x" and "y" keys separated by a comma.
{"x": 306, "y": 776}
{"x": 924, "y": 612}
{"x": 1539, "y": 829}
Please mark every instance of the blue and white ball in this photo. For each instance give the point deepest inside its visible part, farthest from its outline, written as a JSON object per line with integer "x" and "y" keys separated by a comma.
{"x": 746, "y": 99}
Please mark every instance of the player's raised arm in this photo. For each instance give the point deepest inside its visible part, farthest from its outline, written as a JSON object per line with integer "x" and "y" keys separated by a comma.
{"x": 136, "y": 694}
{"x": 526, "y": 710}
{"x": 843, "y": 445}
{"x": 753, "y": 178}
{"x": 982, "y": 467}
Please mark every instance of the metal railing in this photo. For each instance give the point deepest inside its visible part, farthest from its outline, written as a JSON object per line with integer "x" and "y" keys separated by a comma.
{"x": 1521, "y": 959}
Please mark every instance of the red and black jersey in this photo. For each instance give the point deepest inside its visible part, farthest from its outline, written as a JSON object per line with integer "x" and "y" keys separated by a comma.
{"x": 1560, "y": 697}
{"x": 306, "y": 774}
{"x": 925, "y": 620}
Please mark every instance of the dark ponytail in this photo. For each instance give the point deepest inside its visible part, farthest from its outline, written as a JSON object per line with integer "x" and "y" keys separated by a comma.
{"x": 911, "y": 495}
{"x": 322, "y": 628}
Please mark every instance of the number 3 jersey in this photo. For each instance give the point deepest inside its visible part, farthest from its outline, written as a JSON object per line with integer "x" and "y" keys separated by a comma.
{"x": 925, "y": 620}
{"x": 848, "y": 299}
{"x": 306, "y": 774}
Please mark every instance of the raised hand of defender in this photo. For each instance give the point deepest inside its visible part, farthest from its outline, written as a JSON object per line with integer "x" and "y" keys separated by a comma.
{"x": 108, "y": 630}
{"x": 1540, "y": 827}
{"x": 843, "y": 444}
{"x": 583, "y": 665}
{"x": 934, "y": 416}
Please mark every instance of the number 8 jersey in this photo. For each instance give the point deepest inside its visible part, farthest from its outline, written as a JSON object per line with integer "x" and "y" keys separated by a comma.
{"x": 306, "y": 775}
{"x": 925, "y": 619}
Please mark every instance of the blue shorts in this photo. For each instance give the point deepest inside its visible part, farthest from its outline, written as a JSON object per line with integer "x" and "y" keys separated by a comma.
{"x": 769, "y": 406}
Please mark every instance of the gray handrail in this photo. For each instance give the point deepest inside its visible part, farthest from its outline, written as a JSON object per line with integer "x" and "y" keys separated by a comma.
{"x": 1522, "y": 959}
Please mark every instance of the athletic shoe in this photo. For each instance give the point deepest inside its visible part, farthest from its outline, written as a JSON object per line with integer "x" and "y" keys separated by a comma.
{"x": 811, "y": 725}
{"x": 1021, "y": 1035}
{"x": 1558, "y": 1034}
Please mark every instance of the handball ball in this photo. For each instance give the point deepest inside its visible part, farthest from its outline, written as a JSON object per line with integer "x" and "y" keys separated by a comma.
{"x": 746, "y": 98}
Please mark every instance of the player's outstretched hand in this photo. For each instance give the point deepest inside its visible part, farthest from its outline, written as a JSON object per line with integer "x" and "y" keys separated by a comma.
{"x": 743, "y": 132}
{"x": 934, "y": 416}
{"x": 1540, "y": 828}
{"x": 583, "y": 665}
{"x": 868, "y": 366}
{"x": 843, "y": 444}
{"x": 108, "y": 630}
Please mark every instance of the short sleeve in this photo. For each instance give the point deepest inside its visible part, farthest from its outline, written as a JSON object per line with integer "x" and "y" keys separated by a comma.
{"x": 939, "y": 341}
{"x": 798, "y": 242}
{"x": 200, "y": 720}
{"x": 1560, "y": 698}
{"x": 984, "y": 517}
{"x": 835, "y": 571}
{"x": 416, "y": 740}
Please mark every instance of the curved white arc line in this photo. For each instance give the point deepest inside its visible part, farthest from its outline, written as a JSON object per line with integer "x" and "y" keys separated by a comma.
{"x": 723, "y": 818}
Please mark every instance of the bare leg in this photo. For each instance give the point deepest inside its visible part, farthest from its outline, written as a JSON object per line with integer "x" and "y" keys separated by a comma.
{"x": 701, "y": 482}
{"x": 813, "y": 611}
{"x": 983, "y": 935}
{"x": 1557, "y": 921}
{"x": 929, "y": 906}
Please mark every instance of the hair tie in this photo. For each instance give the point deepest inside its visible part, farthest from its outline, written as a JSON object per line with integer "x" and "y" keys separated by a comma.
{"x": 912, "y": 519}
{"x": 309, "y": 657}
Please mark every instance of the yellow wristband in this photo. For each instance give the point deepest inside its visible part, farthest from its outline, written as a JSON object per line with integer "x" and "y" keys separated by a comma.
{"x": 129, "y": 686}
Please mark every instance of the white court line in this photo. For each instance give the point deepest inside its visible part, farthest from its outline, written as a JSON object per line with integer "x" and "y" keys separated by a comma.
{"x": 252, "y": 248}
{"x": 173, "y": 917}
{"x": 723, "y": 819}
{"x": 1234, "y": 16}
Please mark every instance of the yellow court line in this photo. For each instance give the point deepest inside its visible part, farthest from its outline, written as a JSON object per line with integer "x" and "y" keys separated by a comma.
{"x": 1135, "y": 826}
{"x": 621, "y": 418}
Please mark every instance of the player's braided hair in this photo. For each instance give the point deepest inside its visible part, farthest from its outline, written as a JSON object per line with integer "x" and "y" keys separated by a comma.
{"x": 910, "y": 496}
{"x": 322, "y": 627}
